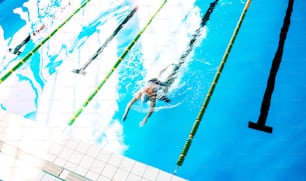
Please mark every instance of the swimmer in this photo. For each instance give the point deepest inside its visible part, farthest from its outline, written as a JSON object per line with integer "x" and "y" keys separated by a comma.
{"x": 150, "y": 93}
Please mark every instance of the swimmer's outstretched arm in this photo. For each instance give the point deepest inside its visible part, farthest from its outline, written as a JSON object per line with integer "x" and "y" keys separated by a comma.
{"x": 135, "y": 98}
{"x": 152, "y": 105}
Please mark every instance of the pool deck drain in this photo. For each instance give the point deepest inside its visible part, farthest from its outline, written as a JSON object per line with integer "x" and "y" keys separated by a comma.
{"x": 53, "y": 155}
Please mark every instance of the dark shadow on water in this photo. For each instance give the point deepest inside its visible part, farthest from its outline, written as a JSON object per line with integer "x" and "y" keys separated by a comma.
{"x": 265, "y": 106}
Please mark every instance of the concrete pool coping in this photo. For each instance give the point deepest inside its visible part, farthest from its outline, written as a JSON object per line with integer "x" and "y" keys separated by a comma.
{"x": 51, "y": 154}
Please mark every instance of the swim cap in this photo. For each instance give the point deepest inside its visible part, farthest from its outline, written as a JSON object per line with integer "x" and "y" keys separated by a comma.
{"x": 145, "y": 97}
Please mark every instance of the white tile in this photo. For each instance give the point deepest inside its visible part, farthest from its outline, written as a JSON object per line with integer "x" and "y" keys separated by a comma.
{"x": 3, "y": 115}
{"x": 60, "y": 162}
{"x": 30, "y": 159}
{"x": 163, "y": 176}
{"x": 86, "y": 162}
{"x": 12, "y": 142}
{"x": 62, "y": 139}
{"x": 7, "y": 174}
{"x": 45, "y": 145}
{"x": 92, "y": 175}
{"x": 2, "y": 132}
{"x": 65, "y": 153}
{"x": 103, "y": 178}
{"x": 81, "y": 170}
{"x": 64, "y": 174}
{"x": 53, "y": 135}
{"x": 70, "y": 166}
{"x": 121, "y": 175}
{"x": 83, "y": 147}
{"x": 72, "y": 144}
{"x": 13, "y": 134}
{"x": 76, "y": 157}
{"x": 36, "y": 133}
{"x": 150, "y": 173}
{"x": 139, "y": 169}
{"x": 104, "y": 155}
{"x": 8, "y": 149}
{"x": 55, "y": 149}
{"x": 109, "y": 171}
{"x": 97, "y": 166}
{"x": 6, "y": 160}
{"x": 50, "y": 157}
{"x": 93, "y": 151}
{"x": 4, "y": 123}
{"x": 115, "y": 160}
{"x": 26, "y": 145}
{"x": 127, "y": 164}
{"x": 133, "y": 177}
{"x": 1, "y": 144}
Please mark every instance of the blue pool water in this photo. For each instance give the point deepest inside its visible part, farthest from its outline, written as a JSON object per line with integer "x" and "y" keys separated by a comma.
{"x": 224, "y": 148}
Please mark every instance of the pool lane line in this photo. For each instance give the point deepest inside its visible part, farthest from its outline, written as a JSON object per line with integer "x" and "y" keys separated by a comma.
{"x": 107, "y": 41}
{"x": 211, "y": 89}
{"x": 197, "y": 33}
{"x": 193, "y": 40}
{"x": 195, "y": 36}
{"x": 23, "y": 60}
{"x": 92, "y": 95}
{"x": 266, "y": 101}
{"x": 16, "y": 50}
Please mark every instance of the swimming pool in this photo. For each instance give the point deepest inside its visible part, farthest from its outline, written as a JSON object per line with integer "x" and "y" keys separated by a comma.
{"x": 46, "y": 90}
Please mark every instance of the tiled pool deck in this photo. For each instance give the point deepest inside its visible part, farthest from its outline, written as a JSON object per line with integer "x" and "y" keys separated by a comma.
{"x": 29, "y": 151}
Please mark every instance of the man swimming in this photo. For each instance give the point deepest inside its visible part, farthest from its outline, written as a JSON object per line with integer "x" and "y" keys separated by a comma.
{"x": 153, "y": 91}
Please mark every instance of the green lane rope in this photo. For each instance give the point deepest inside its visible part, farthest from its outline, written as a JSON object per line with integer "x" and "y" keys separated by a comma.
{"x": 92, "y": 95}
{"x": 22, "y": 61}
{"x": 211, "y": 89}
